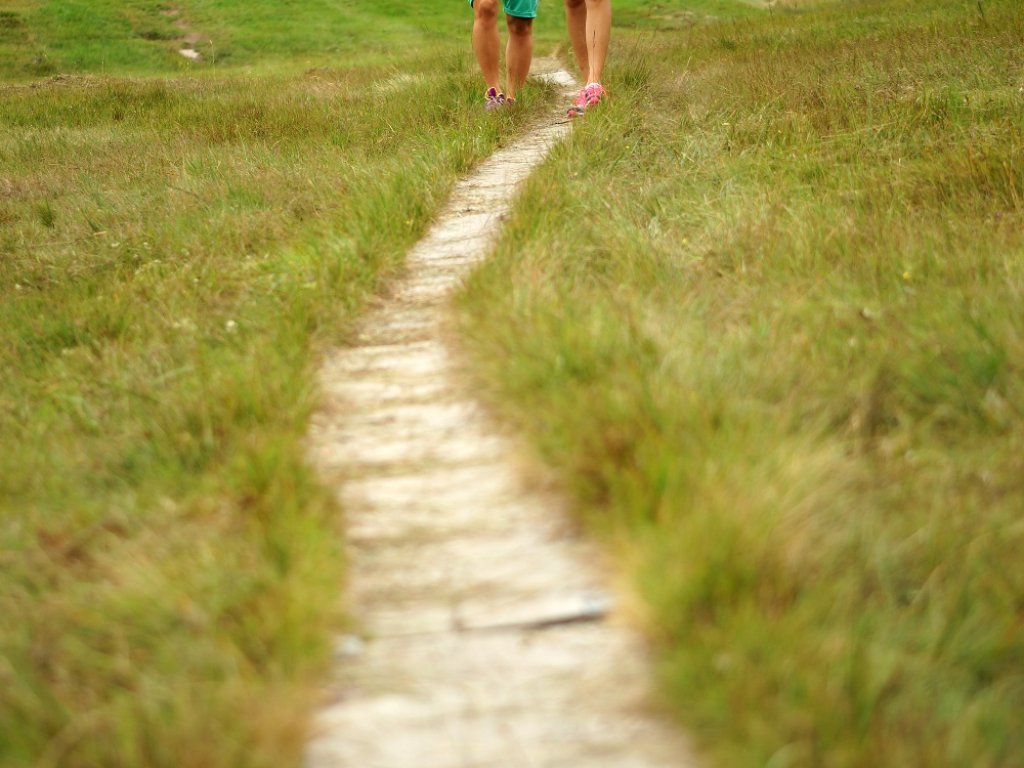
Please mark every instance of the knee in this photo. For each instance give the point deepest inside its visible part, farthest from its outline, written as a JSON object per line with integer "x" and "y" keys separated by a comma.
{"x": 485, "y": 10}
{"x": 573, "y": 5}
{"x": 519, "y": 27}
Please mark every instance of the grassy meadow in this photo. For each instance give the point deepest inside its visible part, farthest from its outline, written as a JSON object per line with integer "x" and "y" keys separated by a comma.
{"x": 783, "y": 267}
{"x": 177, "y": 243}
{"x": 44, "y": 37}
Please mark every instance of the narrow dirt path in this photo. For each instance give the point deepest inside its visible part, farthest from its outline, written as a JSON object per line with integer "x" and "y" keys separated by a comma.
{"x": 487, "y": 638}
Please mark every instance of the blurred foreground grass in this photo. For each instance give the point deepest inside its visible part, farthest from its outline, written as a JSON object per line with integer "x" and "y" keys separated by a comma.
{"x": 783, "y": 268}
{"x": 172, "y": 252}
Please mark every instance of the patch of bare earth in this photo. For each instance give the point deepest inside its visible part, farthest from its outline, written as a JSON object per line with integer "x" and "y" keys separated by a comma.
{"x": 487, "y": 636}
{"x": 190, "y": 40}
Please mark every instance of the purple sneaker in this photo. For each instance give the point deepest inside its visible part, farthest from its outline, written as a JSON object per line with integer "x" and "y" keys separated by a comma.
{"x": 493, "y": 99}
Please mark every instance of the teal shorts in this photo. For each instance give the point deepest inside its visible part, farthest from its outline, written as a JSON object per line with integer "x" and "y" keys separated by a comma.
{"x": 521, "y": 9}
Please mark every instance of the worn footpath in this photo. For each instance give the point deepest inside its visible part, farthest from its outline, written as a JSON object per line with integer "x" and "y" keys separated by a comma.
{"x": 486, "y": 636}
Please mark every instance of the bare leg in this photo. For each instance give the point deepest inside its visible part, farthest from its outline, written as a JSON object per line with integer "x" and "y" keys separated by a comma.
{"x": 599, "y": 29}
{"x": 576, "y": 20}
{"x": 486, "y": 43}
{"x": 519, "y": 52}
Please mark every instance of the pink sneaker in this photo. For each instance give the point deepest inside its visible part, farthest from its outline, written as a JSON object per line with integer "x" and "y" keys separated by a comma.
{"x": 591, "y": 94}
{"x": 579, "y": 104}
{"x": 595, "y": 94}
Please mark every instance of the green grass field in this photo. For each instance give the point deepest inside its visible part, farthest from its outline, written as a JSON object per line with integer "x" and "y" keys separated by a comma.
{"x": 177, "y": 243}
{"x": 782, "y": 267}
{"x": 142, "y": 36}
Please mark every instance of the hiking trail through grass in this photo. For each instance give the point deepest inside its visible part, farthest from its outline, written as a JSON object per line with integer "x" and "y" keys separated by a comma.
{"x": 485, "y": 636}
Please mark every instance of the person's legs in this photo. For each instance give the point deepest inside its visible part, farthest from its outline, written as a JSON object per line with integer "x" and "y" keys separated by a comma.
{"x": 518, "y": 53}
{"x": 590, "y": 27}
{"x": 576, "y": 21}
{"x": 486, "y": 43}
{"x": 598, "y": 33}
